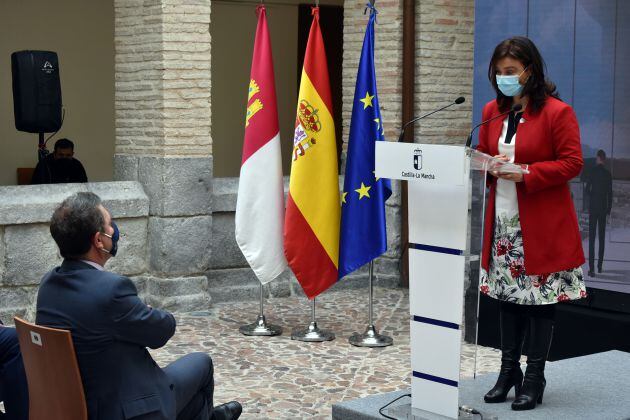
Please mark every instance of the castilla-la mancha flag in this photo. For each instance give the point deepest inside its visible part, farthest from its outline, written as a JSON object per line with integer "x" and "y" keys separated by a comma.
{"x": 311, "y": 227}
{"x": 260, "y": 202}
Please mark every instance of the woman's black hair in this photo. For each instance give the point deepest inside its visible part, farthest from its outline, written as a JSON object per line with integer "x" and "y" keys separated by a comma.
{"x": 538, "y": 87}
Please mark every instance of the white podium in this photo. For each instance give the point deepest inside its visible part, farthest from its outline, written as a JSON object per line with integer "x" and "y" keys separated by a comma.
{"x": 438, "y": 208}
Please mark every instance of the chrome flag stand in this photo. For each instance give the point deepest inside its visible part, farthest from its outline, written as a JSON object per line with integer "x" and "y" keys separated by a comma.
{"x": 260, "y": 327}
{"x": 371, "y": 337}
{"x": 312, "y": 333}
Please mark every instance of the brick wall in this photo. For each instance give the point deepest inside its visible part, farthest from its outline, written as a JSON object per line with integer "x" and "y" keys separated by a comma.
{"x": 444, "y": 63}
{"x": 387, "y": 56}
{"x": 388, "y": 61}
{"x": 163, "y": 139}
{"x": 444, "y": 68}
{"x": 162, "y": 71}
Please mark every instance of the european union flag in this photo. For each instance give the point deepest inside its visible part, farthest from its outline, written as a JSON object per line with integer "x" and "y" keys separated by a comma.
{"x": 363, "y": 235}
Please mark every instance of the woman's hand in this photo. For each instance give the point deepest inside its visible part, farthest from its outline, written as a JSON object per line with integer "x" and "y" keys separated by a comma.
{"x": 507, "y": 176}
{"x": 499, "y": 157}
{"x": 511, "y": 177}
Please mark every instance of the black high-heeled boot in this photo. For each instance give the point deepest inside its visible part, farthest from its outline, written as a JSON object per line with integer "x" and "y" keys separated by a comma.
{"x": 540, "y": 334}
{"x": 512, "y": 326}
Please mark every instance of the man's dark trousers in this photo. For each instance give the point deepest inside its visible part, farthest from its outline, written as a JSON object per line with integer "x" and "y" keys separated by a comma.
{"x": 192, "y": 378}
{"x": 596, "y": 223}
{"x": 13, "y": 386}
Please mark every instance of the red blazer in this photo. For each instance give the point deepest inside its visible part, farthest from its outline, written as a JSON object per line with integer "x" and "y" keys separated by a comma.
{"x": 549, "y": 142}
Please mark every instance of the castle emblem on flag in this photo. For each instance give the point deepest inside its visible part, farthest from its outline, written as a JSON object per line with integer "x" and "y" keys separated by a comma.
{"x": 307, "y": 121}
{"x": 255, "y": 106}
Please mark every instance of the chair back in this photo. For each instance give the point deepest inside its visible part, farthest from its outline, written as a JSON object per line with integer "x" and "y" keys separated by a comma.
{"x": 54, "y": 381}
{"x": 24, "y": 176}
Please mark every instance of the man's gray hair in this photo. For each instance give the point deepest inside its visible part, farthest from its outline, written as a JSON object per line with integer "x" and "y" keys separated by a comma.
{"x": 74, "y": 223}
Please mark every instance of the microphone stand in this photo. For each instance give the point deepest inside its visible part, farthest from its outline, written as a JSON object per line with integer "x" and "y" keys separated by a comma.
{"x": 457, "y": 101}
{"x": 515, "y": 108}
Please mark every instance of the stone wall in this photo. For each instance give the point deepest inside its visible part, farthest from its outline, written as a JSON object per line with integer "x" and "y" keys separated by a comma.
{"x": 162, "y": 257}
{"x": 230, "y": 277}
{"x": 177, "y": 221}
{"x": 444, "y": 68}
{"x": 388, "y": 61}
{"x": 27, "y": 251}
{"x": 162, "y": 77}
{"x": 163, "y": 122}
{"x": 444, "y": 62}
{"x": 163, "y": 138}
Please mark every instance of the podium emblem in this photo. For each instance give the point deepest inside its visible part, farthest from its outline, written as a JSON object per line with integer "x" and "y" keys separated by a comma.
{"x": 417, "y": 159}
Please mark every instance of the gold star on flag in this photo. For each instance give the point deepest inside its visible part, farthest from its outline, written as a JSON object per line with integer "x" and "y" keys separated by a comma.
{"x": 375, "y": 177}
{"x": 378, "y": 123}
{"x": 363, "y": 191}
{"x": 367, "y": 101}
{"x": 343, "y": 197}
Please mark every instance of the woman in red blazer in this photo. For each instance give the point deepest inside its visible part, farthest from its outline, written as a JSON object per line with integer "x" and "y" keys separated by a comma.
{"x": 532, "y": 252}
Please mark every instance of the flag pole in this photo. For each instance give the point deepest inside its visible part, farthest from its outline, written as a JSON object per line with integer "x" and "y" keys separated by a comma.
{"x": 260, "y": 326}
{"x": 371, "y": 337}
{"x": 312, "y": 333}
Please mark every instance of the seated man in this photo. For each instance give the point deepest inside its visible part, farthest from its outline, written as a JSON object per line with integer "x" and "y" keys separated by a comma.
{"x": 13, "y": 387}
{"x": 60, "y": 166}
{"x": 111, "y": 328}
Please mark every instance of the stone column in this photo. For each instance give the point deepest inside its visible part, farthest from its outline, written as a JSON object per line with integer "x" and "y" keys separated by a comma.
{"x": 163, "y": 111}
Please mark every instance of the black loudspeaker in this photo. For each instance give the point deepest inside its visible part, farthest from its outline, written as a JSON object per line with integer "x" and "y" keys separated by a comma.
{"x": 36, "y": 91}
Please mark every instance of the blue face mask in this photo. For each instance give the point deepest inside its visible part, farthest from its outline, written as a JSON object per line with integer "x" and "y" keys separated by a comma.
{"x": 114, "y": 237}
{"x": 509, "y": 85}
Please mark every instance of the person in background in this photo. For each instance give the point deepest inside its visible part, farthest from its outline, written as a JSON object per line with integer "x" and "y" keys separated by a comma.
{"x": 599, "y": 191}
{"x": 112, "y": 327}
{"x": 13, "y": 385}
{"x": 60, "y": 166}
{"x": 532, "y": 251}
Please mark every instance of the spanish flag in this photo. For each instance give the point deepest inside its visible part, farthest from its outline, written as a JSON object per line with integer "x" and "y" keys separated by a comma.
{"x": 311, "y": 226}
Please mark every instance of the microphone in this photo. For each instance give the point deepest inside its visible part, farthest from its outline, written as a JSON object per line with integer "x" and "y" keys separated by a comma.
{"x": 515, "y": 108}
{"x": 457, "y": 101}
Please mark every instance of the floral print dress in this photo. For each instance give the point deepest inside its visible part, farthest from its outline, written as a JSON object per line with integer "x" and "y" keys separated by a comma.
{"x": 506, "y": 278}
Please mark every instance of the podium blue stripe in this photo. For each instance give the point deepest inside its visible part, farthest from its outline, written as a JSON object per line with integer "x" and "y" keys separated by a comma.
{"x": 437, "y": 379}
{"x": 438, "y": 249}
{"x": 436, "y": 322}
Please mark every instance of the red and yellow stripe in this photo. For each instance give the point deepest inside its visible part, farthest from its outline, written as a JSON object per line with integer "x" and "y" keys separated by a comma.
{"x": 311, "y": 230}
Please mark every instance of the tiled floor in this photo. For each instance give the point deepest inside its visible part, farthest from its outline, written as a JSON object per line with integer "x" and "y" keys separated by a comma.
{"x": 277, "y": 378}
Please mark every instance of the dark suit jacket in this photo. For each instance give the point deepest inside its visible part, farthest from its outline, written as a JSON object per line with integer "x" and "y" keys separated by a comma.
{"x": 111, "y": 328}
{"x": 599, "y": 190}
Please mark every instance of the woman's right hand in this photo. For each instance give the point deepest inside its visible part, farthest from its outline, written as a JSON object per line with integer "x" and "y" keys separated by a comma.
{"x": 500, "y": 157}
